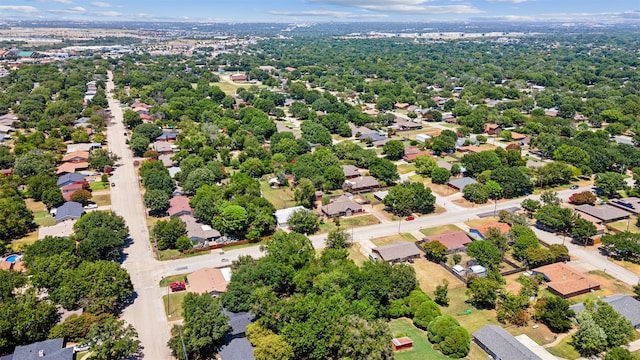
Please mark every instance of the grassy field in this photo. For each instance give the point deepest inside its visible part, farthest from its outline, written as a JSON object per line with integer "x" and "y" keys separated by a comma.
{"x": 349, "y": 222}
{"x": 564, "y": 350}
{"x": 280, "y": 198}
{"x": 381, "y": 241}
{"x": 227, "y": 87}
{"x": 102, "y": 199}
{"x": 422, "y": 349}
{"x": 624, "y": 225}
{"x": 458, "y": 309}
{"x": 173, "y": 278}
{"x": 173, "y": 305}
{"x": 430, "y": 275}
{"x": 439, "y": 229}
{"x": 440, "y": 189}
{"x": 20, "y": 244}
{"x": 406, "y": 168}
{"x": 43, "y": 218}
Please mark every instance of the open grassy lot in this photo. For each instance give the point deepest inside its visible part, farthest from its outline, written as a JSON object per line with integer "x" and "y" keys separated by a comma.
{"x": 440, "y": 189}
{"x": 173, "y": 305}
{"x": 349, "y": 222}
{"x": 355, "y": 254}
{"x": 98, "y": 185}
{"x": 439, "y": 229}
{"x": 227, "y": 87}
{"x": 281, "y": 198}
{"x": 458, "y": 308}
{"x": 386, "y": 240}
{"x": 41, "y": 214}
{"x": 102, "y": 199}
{"x": 422, "y": 348}
{"x": 624, "y": 225}
{"x": 430, "y": 275}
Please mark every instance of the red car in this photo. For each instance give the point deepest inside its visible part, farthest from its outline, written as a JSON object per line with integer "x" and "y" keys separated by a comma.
{"x": 409, "y": 218}
{"x": 177, "y": 286}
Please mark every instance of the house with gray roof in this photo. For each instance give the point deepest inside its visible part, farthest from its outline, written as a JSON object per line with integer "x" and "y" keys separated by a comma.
{"x": 68, "y": 179}
{"x": 342, "y": 206}
{"x": 70, "y": 210}
{"x": 350, "y": 171}
{"x": 197, "y": 231}
{"x": 361, "y": 184}
{"x": 397, "y": 252}
{"x": 237, "y": 347}
{"x": 605, "y": 213}
{"x": 500, "y": 345}
{"x": 162, "y": 147}
{"x": 626, "y": 305}
{"x": 53, "y": 349}
{"x": 461, "y": 183}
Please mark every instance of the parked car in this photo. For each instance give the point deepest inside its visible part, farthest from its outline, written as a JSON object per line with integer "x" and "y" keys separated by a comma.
{"x": 573, "y": 187}
{"x": 113, "y": 184}
{"x": 409, "y": 218}
{"x": 81, "y": 347}
{"x": 177, "y": 286}
{"x": 91, "y": 206}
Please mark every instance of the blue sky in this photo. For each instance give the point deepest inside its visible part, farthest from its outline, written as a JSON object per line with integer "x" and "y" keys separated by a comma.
{"x": 320, "y": 10}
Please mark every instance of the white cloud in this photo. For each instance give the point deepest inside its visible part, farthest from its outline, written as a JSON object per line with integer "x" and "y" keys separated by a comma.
{"x": 101, "y": 4}
{"x": 73, "y": 10}
{"x": 57, "y": 1}
{"x": 404, "y": 6}
{"x": 18, "y": 8}
{"x": 335, "y": 14}
{"x": 107, "y": 14}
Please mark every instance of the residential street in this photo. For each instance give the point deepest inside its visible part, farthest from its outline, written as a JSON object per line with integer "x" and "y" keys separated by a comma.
{"x": 146, "y": 312}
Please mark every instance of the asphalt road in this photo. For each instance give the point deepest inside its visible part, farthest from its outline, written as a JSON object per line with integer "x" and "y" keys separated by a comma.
{"x": 146, "y": 313}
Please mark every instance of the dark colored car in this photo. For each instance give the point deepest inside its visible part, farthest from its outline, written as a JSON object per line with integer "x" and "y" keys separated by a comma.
{"x": 177, "y": 286}
{"x": 573, "y": 187}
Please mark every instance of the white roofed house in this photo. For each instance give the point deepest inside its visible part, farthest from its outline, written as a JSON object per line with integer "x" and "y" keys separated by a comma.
{"x": 283, "y": 215}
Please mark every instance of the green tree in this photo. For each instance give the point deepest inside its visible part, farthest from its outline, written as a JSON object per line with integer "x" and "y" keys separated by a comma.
{"x": 305, "y": 193}
{"x": 435, "y": 251}
{"x": 304, "y": 221}
{"x": 609, "y": 183}
{"x": 486, "y": 252}
{"x": 482, "y": 292}
{"x": 619, "y": 330}
{"x": 384, "y": 170}
{"x": 166, "y": 233}
{"x": 449, "y": 337}
{"x": 139, "y": 144}
{"x": 440, "y": 175}
{"x": 476, "y": 193}
{"x": 512, "y": 309}
{"x": 583, "y": 230}
{"x": 81, "y": 196}
{"x": 100, "y": 219}
{"x": 425, "y": 313}
{"x": 112, "y": 339}
{"x": 394, "y": 149}
{"x": 618, "y": 353}
{"x": 338, "y": 239}
{"x": 273, "y": 347}
{"x": 99, "y": 159}
{"x": 590, "y": 338}
{"x": 441, "y": 293}
{"x": 425, "y": 164}
{"x": 204, "y": 329}
{"x": 157, "y": 201}
{"x": 407, "y": 198}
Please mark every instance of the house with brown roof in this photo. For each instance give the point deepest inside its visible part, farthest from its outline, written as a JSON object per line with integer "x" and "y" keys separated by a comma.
{"x": 412, "y": 152}
{"x": 69, "y": 190}
{"x": 238, "y": 77}
{"x": 209, "y": 281}
{"x": 605, "y": 213}
{"x": 71, "y": 167}
{"x": 492, "y": 129}
{"x": 470, "y": 149}
{"x": 404, "y": 125}
{"x": 179, "y": 205}
{"x": 166, "y": 160}
{"x": 361, "y": 184}
{"x": 162, "y": 147}
{"x": 396, "y": 253}
{"x": 565, "y": 281}
{"x": 350, "y": 171}
{"x": 76, "y": 156}
{"x": 401, "y": 105}
{"x": 342, "y": 206}
{"x": 455, "y": 241}
{"x": 482, "y": 232}
{"x": 517, "y": 136}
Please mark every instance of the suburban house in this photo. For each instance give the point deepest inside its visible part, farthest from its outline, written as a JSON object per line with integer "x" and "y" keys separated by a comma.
{"x": 492, "y": 129}
{"x": 412, "y": 152}
{"x": 396, "y": 253}
{"x": 361, "y": 184}
{"x": 482, "y": 232}
{"x": 237, "y": 346}
{"x": 76, "y": 156}
{"x": 61, "y": 229}
{"x": 70, "y": 210}
{"x": 374, "y": 138}
{"x": 167, "y": 136}
{"x": 342, "y": 206}
{"x": 565, "y": 281}
{"x": 53, "y": 349}
{"x": 605, "y": 213}
{"x": 401, "y": 105}
{"x": 455, "y": 241}
{"x": 179, "y": 205}
{"x": 238, "y": 77}
{"x": 470, "y": 149}
{"x": 71, "y": 148}
{"x": 197, "y": 231}
{"x": 71, "y": 167}
{"x": 404, "y": 125}
{"x": 283, "y": 215}
{"x": 209, "y": 281}
{"x": 362, "y": 130}
{"x": 162, "y": 147}
{"x": 422, "y": 138}
{"x": 500, "y": 345}
{"x": 166, "y": 160}
{"x": 461, "y": 183}
{"x": 517, "y": 136}
{"x": 600, "y": 228}
{"x": 68, "y": 179}
{"x": 630, "y": 204}
{"x": 69, "y": 190}
{"x": 350, "y": 171}
{"x": 625, "y": 305}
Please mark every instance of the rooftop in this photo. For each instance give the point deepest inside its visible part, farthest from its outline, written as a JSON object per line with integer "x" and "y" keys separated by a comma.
{"x": 397, "y": 251}
{"x": 341, "y": 205}
{"x": 461, "y": 183}
{"x": 484, "y": 229}
{"x": 282, "y": 215}
{"x": 50, "y": 349}
{"x": 604, "y": 213}
{"x": 565, "y": 280}
{"x": 70, "y": 210}
{"x": 179, "y": 205}
{"x": 626, "y": 305}
{"x": 208, "y": 280}
{"x": 451, "y": 239}
{"x": 502, "y": 345}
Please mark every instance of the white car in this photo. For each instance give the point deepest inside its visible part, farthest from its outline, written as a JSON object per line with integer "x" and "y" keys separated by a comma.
{"x": 91, "y": 206}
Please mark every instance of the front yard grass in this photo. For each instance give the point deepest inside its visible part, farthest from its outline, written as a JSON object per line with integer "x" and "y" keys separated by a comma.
{"x": 564, "y": 350}
{"x": 166, "y": 281}
{"x": 406, "y": 168}
{"x": 439, "y": 229}
{"x": 422, "y": 348}
{"x": 102, "y": 199}
{"x": 624, "y": 225}
{"x": 43, "y": 218}
{"x": 173, "y": 305}
{"x": 346, "y": 223}
{"x": 98, "y": 185}
{"x": 386, "y": 240}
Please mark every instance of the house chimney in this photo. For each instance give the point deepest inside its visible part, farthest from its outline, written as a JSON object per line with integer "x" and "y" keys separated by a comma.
{"x": 40, "y": 353}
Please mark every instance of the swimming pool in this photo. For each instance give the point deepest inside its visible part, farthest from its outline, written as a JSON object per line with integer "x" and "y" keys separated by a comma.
{"x": 13, "y": 258}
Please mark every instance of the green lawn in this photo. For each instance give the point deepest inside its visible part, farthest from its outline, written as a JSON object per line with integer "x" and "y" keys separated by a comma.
{"x": 458, "y": 308}
{"x": 624, "y": 225}
{"x": 281, "y": 198}
{"x": 173, "y": 305}
{"x": 102, "y": 200}
{"x": 349, "y": 222}
{"x": 228, "y": 88}
{"x": 564, "y": 350}
{"x": 422, "y": 348}
{"x": 173, "y": 278}
{"x": 406, "y": 168}
{"x": 98, "y": 185}
{"x": 439, "y": 229}
{"x": 43, "y": 218}
{"x": 381, "y": 241}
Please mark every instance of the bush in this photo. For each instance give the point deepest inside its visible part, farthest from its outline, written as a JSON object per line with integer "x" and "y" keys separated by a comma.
{"x": 426, "y": 312}
{"x": 440, "y": 175}
{"x": 585, "y": 197}
{"x": 446, "y": 334}
{"x": 183, "y": 243}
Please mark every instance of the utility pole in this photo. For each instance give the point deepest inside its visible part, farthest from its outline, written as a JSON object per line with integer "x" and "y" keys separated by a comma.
{"x": 184, "y": 349}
